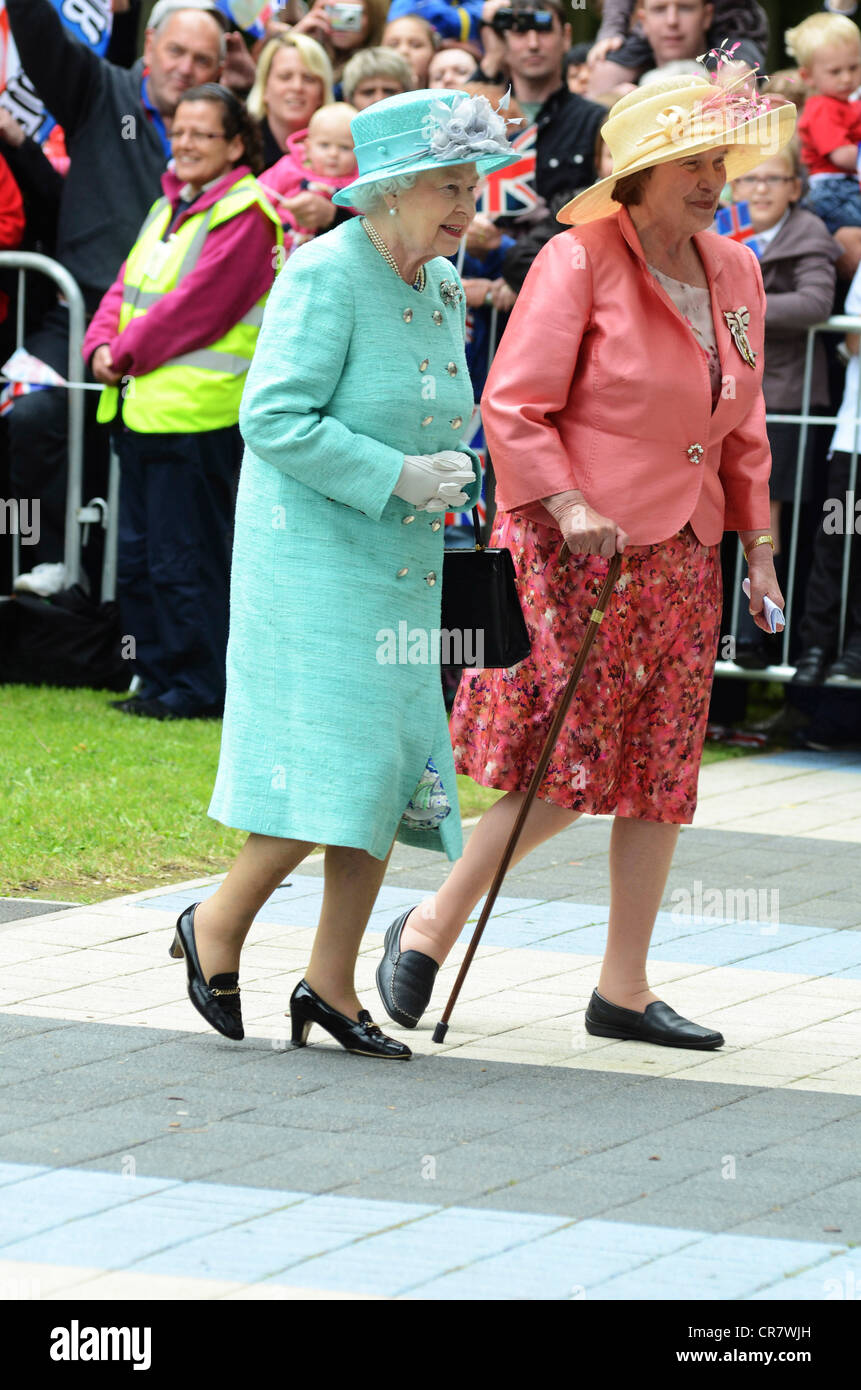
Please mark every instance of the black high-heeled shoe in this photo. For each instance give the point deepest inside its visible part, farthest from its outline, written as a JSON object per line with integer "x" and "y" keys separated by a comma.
{"x": 362, "y": 1036}
{"x": 217, "y": 1000}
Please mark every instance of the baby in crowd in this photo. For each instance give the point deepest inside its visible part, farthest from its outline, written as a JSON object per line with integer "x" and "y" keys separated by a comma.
{"x": 318, "y": 160}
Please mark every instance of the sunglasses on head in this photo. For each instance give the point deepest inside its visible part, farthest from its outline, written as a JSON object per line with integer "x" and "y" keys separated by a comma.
{"x": 521, "y": 21}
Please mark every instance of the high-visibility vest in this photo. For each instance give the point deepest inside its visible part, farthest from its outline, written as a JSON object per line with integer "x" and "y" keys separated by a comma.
{"x": 198, "y": 390}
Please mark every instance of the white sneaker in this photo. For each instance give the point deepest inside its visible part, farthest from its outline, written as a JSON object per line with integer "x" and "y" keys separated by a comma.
{"x": 44, "y": 580}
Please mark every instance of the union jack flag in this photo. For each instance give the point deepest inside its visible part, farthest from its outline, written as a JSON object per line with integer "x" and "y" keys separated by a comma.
{"x": 734, "y": 222}
{"x": 511, "y": 192}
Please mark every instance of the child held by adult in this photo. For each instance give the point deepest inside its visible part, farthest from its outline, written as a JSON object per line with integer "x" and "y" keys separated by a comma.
{"x": 319, "y": 160}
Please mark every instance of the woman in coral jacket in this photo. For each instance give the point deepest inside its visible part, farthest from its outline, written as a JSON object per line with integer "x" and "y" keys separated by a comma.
{"x": 624, "y": 413}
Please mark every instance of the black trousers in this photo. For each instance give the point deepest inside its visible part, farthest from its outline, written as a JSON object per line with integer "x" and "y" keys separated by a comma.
{"x": 177, "y": 498}
{"x": 821, "y": 622}
{"x": 38, "y": 445}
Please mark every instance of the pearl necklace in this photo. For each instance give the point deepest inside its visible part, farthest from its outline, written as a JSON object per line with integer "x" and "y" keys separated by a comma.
{"x": 377, "y": 241}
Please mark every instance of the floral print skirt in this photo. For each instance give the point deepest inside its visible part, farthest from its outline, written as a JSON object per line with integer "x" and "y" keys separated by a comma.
{"x": 633, "y": 737}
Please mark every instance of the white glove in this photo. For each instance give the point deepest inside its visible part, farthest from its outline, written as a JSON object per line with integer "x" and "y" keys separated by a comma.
{"x": 435, "y": 482}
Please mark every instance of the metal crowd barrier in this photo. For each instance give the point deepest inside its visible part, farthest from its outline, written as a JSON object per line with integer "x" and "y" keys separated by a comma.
{"x": 98, "y": 510}
{"x": 105, "y": 512}
{"x": 783, "y": 671}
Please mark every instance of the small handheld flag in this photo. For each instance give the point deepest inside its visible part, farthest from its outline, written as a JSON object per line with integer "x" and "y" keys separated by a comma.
{"x": 734, "y": 222}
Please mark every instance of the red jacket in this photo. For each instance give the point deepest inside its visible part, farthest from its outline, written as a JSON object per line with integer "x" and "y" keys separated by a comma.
{"x": 599, "y": 384}
{"x": 12, "y": 220}
{"x": 824, "y": 125}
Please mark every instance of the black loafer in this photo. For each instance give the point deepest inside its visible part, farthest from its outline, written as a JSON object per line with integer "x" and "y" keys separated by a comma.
{"x": 127, "y": 705}
{"x": 218, "y": 1000}
{"x": 810, "y": 666}
{"x": 658, "y": 1024}
{"x": 405, "y": 979}
{"x": 847, "y": 667}
{"x": 360, "y": 1035}
{"x": 157, "y": 709}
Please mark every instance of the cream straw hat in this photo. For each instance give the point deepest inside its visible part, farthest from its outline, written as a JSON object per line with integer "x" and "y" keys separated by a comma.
{"x": 680, "y": 116}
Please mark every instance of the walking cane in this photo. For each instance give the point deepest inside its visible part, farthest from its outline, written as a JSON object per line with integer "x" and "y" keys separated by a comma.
{"x": 595, "y": 617}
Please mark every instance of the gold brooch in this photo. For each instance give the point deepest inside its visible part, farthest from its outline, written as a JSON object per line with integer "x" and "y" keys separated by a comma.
{"x": 737, "y": 321}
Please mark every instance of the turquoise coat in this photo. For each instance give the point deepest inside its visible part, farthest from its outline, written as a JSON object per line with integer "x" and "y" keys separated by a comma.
{"x": 324, "y": 737}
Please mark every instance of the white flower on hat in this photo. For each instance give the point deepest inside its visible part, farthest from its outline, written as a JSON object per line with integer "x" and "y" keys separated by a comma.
{"x": 468, "y": 129}
{"x": 672, "y": 121}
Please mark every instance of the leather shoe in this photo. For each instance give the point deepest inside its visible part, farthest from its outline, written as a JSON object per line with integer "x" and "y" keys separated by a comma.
{"x": 128, "y": 704}
{"x": 216, "y": 1000}
{"x": 658, "y": 1024}
{"x": 360, "y": 1035}
{"x": 847, "y": 667}
{"x": 810, "y": 666}
{"x": 157, "y": 709}
{"x": 405, "y": 979}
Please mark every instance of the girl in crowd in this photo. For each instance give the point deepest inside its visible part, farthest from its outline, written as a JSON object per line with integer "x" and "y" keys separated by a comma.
{"x": 416, "y": 41}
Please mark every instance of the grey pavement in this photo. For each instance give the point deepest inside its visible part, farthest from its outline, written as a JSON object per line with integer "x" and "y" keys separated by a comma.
{"x": 640, "y": 1167}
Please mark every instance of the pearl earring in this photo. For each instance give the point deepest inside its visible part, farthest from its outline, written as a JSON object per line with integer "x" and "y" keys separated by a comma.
{"x": 392, "y": 212}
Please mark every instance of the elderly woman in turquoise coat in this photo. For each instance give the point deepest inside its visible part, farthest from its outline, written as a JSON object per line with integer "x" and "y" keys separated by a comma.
{"x": 352, "y": 416}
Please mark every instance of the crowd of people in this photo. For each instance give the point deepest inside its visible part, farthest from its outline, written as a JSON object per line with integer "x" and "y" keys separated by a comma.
{"x": 179, "y": 182}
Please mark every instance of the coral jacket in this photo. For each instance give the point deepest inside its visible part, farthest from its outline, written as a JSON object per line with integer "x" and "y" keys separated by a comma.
{"x": 599, "y": 384}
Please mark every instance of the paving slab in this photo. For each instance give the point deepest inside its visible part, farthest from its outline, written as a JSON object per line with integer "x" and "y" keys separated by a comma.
{"x": 143, "y": 1156}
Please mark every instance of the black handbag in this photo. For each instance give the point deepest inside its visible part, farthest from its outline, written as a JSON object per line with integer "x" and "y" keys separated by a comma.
{"x": 481, "y": 614}
{"x": 68, "y": 639}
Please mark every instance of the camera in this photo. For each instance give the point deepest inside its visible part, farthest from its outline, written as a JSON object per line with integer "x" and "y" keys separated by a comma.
{"x": 521, "y": 21}
{"x": 345, "y": 18}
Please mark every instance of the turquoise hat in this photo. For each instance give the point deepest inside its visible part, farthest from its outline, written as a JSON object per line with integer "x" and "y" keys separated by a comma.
{"x": 415, "y": 131}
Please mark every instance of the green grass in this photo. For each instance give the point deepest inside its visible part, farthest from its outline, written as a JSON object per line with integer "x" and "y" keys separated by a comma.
{"x": 96, "y": 804}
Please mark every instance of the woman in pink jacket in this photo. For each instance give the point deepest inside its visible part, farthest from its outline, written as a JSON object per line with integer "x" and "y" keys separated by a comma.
{"x": 623, "y": 412}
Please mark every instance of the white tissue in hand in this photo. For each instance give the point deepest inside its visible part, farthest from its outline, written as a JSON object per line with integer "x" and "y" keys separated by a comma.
{"x": 773, "y": 614}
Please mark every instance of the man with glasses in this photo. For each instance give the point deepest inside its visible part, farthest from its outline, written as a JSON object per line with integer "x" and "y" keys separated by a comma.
{"x": 117, "y": 124}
